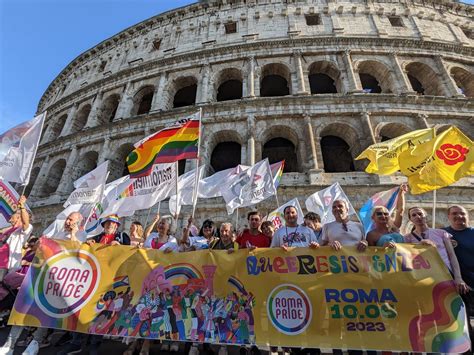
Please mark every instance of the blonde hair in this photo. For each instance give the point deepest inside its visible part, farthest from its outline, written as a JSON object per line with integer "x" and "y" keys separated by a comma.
{"x": 139, "y": 228}
{"x": 391, "y": 226}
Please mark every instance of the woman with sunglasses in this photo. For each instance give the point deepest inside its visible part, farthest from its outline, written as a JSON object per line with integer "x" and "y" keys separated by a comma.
{"x": 422, "y": 234}
{"x": 386, "y": 230}
{"x": 206, "y": 235}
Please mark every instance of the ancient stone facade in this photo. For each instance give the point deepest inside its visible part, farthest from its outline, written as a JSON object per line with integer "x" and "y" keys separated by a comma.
{"x": 314, "y": 82}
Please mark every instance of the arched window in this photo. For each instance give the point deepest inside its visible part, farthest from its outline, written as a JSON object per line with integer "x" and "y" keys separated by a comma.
{"x": 322, "y": 78}
{"x": 375, "y": 77}
{"x": 416, "y": 85}
{"x": 109, "y": 109}
{"x": 229, "y": 90}
{"x": 54, "y": 177}
{"x": 33, "y": 177}
{"x": 118, "y": 166}
{"x": 81, "y": 118}
{"x": 275, "y": 80}
{"x": 181, "y": 166}
{"x": 142, "y": 101}
{"x": 424, "y": 80}
{"x": 57, "y": 127}
{"x": 392, "y": 130}
{"x": 85, "y": 164}
{"x": 186, "y": 90}
{"x": 464, "y": 80}
{"x": 278, "y": 149}
{"x": 370, "y": 84}
{"x": 336, "y": 155}
{"x": 225, "y": 155}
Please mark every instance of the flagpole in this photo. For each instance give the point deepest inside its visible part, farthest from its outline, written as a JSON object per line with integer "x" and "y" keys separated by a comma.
{"x": 237, "y": 220}
{"x": 34, "y": 155}
{"x": 177, "y": 192}
{"x": 197, "y": 173}
{"x": 434, "y": 209}
{"x": 276, "y": 196}
{"x": 94, "y": 205}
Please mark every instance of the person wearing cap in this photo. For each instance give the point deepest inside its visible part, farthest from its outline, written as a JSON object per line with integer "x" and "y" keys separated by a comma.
{"x": 110, "y": 235}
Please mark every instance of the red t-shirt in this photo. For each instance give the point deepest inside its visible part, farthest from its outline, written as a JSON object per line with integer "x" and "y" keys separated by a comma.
{"x": 259, "y": 240}
{"x": 107, "y": 238}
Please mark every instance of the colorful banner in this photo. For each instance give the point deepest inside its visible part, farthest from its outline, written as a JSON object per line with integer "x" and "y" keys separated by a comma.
{"x": 399, "y": 300}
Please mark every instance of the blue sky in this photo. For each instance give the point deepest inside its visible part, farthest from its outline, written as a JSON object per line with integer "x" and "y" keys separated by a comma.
{"x": 38, "y": 38}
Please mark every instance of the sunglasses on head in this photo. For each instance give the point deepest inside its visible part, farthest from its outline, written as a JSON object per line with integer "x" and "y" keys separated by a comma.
{"x": 380, "y": 214}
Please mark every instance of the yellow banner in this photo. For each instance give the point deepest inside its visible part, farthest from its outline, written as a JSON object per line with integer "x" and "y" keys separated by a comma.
{"x": 400, "y": 300}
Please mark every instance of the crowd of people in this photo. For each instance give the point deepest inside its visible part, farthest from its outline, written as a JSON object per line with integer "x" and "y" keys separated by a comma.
{"x": 455, "y": 244}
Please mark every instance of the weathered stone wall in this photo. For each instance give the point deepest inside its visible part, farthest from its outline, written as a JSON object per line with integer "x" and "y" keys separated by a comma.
{"x": 95, "y": 105}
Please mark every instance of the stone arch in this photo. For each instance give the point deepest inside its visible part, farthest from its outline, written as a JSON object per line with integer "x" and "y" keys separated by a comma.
{"x": 184, "y": 91}
{"x": 80, "y": 119}
{"x": 391, "y": 130}
{"x": 281, "y": 143}
{"x": 226, "y": 150}
{"x": 109, "y": 109}
{"x": 142, "y": 100}
{"x": 464, "y": 80}
{"x": 57, "y": 127}
{"x": 118, "y": 165}
{"x": 229, "y": 85}
{"x": 423, "y": 79}
{"x": 86, "y": 163}
{"x": 375, "y": 77}
{"x": 275, "y": 80}
{"x": 33, "y": 176}
{"x": 339, "y": 144}
{"x": 324, "y": 78}
{"x": 53, "y": 179}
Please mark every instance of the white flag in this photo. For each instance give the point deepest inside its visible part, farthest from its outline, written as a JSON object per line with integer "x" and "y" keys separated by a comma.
{"x": 144, "y": 192}
{"x": 278, "y": 218}
{"x": 186, "y": 188}
{"x": 91, "y": 212}
{"x": 211, "y": 186}
{"x": 321, "y": 202}
{"x": 251, "y": 186}
{"x": 18, "y": 149}
{"x": 90, "y": 187}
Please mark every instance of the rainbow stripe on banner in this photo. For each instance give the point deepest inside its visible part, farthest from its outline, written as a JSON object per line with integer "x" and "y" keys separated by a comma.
{"x": 8, "y": 201}
{"x": 277, "y": 172}
{"x": 166, "y": 146}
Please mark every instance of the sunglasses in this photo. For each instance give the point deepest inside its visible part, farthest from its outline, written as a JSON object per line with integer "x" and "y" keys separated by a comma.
{"x": 380, "y": 214}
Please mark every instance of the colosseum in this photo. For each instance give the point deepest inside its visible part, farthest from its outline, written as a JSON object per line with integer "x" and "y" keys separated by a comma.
{"x": 314, "y": 82}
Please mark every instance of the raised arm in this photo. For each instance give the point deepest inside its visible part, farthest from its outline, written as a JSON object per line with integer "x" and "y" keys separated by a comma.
{"x": 149, "y": 229}
{"x": 185, "y": 237}
{"x": 25, "y": 216}
{"x": 400, "y": 206}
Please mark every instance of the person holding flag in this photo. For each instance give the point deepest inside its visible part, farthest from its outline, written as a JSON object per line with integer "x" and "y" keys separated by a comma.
{"x": 386, "y": 231}
{"x": 343, "y": 231}
{"x": 13, "y": 238}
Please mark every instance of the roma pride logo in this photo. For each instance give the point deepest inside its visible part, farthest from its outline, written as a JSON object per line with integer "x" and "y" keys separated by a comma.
{"x": 66, "y": 283}
{"x": 289, "y": 309}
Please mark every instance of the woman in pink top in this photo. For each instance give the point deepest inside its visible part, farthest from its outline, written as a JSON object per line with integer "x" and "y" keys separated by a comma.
{"x": 438, "y": 238}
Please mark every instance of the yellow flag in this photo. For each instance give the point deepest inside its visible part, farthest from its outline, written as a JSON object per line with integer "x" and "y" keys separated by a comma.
{"x": 439, "y": 162}
{"x": 383, "y": 156}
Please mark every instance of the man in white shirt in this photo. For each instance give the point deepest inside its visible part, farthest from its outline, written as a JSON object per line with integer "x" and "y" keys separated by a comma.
{"x": 70, "y": 229}
{"x": 293, "y": 235}
{"x": 343, "y": 231}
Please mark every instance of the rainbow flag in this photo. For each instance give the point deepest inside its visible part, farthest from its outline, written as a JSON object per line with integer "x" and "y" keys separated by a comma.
{"x": 8, "y": 202}
{"x": 171, "y": 144}
{"x": 277, "y": 172}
